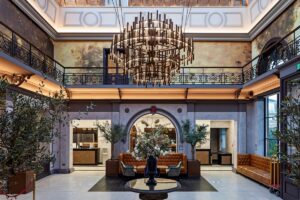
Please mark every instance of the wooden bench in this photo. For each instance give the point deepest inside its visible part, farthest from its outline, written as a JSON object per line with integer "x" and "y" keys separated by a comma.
{"x": 258, "y": 168}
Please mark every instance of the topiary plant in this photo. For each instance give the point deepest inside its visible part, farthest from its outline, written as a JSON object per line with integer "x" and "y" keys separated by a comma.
{"x": 112, "y": 133}
{"x": 193, "y": 136}
{"x": 27, "y": 127}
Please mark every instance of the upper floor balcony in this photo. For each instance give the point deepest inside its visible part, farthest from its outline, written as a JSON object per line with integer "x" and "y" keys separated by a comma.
{"x": 277, "y": 54}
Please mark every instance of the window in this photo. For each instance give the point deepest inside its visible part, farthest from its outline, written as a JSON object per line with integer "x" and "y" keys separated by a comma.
{"x": 271, "y": 124}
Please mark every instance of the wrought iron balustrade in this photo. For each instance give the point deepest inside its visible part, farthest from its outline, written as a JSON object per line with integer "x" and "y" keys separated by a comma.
{"x": 274, "y": 56}
{"x": 278, "y": 54}
{"x": 203, "y": 75}
{"x": 15, "y": 46}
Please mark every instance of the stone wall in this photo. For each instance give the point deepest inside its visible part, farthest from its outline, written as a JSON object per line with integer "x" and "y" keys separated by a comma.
{"x": 126, "y": 114}
{"x": 283, "y": 25}
{"x": 16, "y": 20}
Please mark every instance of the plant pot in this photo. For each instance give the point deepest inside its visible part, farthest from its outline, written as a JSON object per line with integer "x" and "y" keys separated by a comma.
{"x": 151, "y": 170}
{"x": 112, "y": 167}
{"x": 193, "y": 168}
{"x": 291, "y": 191}
{"x": 21, "y": 183}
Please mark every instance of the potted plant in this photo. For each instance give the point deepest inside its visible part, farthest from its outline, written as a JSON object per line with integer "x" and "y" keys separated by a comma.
{"x": 290, "y": 135}
{"x": 194, "y": 136}
{"x": 26, "y": 130}
{"x": 112, "y": 134}
{"x": 150, "y": 146}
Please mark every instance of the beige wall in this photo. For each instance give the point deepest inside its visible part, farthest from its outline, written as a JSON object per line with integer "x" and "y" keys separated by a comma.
{"x": 221, "y": 54}
{"x": 80, "y": 54}
{"x": 283, "y": 25}
{"x": 207, "y": 54}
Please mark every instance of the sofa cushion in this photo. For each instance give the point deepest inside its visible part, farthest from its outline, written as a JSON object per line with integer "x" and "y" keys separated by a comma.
{"x": 165, "y": 161}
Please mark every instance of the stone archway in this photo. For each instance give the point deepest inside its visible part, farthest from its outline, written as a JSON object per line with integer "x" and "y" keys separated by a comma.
{"x": 162, "y": 112}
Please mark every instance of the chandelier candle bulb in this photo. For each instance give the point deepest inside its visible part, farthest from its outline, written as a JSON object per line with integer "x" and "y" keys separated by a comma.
{"x": 151, "y": 51}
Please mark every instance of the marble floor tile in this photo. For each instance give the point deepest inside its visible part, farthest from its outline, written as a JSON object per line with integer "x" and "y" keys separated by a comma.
{"x": 75, "y": 186}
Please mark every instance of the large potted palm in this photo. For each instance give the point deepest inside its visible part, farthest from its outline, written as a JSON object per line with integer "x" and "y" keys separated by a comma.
{"x": 26, "y": 130}
{"x": 113, "y": 134}
{"x": 290, "y": 136}
{"x": 194, "y": 136}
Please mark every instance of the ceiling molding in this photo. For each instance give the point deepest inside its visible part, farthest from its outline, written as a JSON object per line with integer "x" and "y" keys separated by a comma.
{"x": 258, "y": 28}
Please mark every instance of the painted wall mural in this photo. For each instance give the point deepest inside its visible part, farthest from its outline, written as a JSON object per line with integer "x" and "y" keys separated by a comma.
{"x": 221, "y": 54}
{"x": 207, "y": 54}
{"x": 283, "y": 25}
{"x": 80, "y": 54}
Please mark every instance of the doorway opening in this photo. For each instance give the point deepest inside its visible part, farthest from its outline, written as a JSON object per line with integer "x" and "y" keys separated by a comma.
{"x": 147, "y": 123}
{"x": 89, "y": 148}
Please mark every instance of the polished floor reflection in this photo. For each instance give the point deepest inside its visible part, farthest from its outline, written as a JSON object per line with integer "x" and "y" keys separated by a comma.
{"x": 75, "y": 186}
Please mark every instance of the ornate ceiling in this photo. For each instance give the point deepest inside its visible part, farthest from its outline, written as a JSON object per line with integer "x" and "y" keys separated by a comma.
{"x": 81, "y": 2}
{"x": 97, "y": 3}
{"x": 85, "y": 19}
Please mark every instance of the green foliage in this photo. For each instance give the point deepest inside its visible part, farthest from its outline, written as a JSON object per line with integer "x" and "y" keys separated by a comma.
{"x": 112, "y": 133}
{"x": 290, "y": 135}
{"x": 194, "y": 136}
{"x": 154, "y": 143}
{"x": 27, "y": 127}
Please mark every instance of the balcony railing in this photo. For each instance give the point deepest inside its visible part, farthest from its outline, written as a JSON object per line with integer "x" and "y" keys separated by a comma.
{"x": 17, "y": 47}
{"x": 187, "y": 76}
{"x": 277, "y": 54}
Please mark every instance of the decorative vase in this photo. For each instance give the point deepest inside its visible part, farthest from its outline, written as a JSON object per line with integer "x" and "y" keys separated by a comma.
{"x": 151, "y": 170}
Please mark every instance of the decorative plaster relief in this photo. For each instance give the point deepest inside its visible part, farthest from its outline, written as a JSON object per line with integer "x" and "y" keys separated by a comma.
{"x": 233, "y": 18}
{"x": 73, "y": 19}
{"x": 51, "y": 11}
{"x": 257, "y": 7}
{"x": 110, "y": 19}
{"x": 42, "y": 3}
{"x": 49, "y": 7}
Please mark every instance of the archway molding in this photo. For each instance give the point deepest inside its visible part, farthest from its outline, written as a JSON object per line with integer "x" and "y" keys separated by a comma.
{"x": 159, "y": 111}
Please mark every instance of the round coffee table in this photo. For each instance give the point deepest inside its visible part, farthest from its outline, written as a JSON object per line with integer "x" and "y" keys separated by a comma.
{"x": 157, "y": 192}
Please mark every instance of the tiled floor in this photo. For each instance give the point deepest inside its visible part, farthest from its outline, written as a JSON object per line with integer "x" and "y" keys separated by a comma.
{"x": 75, "y": 186}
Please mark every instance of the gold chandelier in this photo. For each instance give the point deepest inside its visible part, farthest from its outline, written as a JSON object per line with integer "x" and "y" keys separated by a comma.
{"x": 152, "y": 49}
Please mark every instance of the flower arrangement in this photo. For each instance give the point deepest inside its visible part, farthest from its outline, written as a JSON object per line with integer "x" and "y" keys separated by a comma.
{"x": 154, "y": 143}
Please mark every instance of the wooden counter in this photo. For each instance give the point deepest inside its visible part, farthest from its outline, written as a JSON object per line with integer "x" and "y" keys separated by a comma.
{"x": 203, "y": 155}
{"x": 86, "y": 156}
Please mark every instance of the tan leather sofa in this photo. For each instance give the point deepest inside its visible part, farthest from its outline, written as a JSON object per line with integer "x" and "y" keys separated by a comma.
{"x": 255, "y": 167}
{"x": 162, "y": 163}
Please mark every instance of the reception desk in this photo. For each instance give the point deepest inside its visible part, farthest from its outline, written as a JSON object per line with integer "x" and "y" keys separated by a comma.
{"x": 86, "y": 156}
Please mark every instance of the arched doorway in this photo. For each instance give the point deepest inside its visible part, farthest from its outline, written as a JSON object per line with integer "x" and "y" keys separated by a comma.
{"x": 146, "y": 123}
{"x": 272, "y": 55}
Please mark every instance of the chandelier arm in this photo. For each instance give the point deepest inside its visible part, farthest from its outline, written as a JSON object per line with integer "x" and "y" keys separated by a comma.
{"x": 152, "y": 50}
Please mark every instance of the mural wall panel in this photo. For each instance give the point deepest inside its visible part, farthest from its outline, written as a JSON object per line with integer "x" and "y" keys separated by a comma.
{"x": 283, "y": 25}
{"x": 207, "y": 54}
